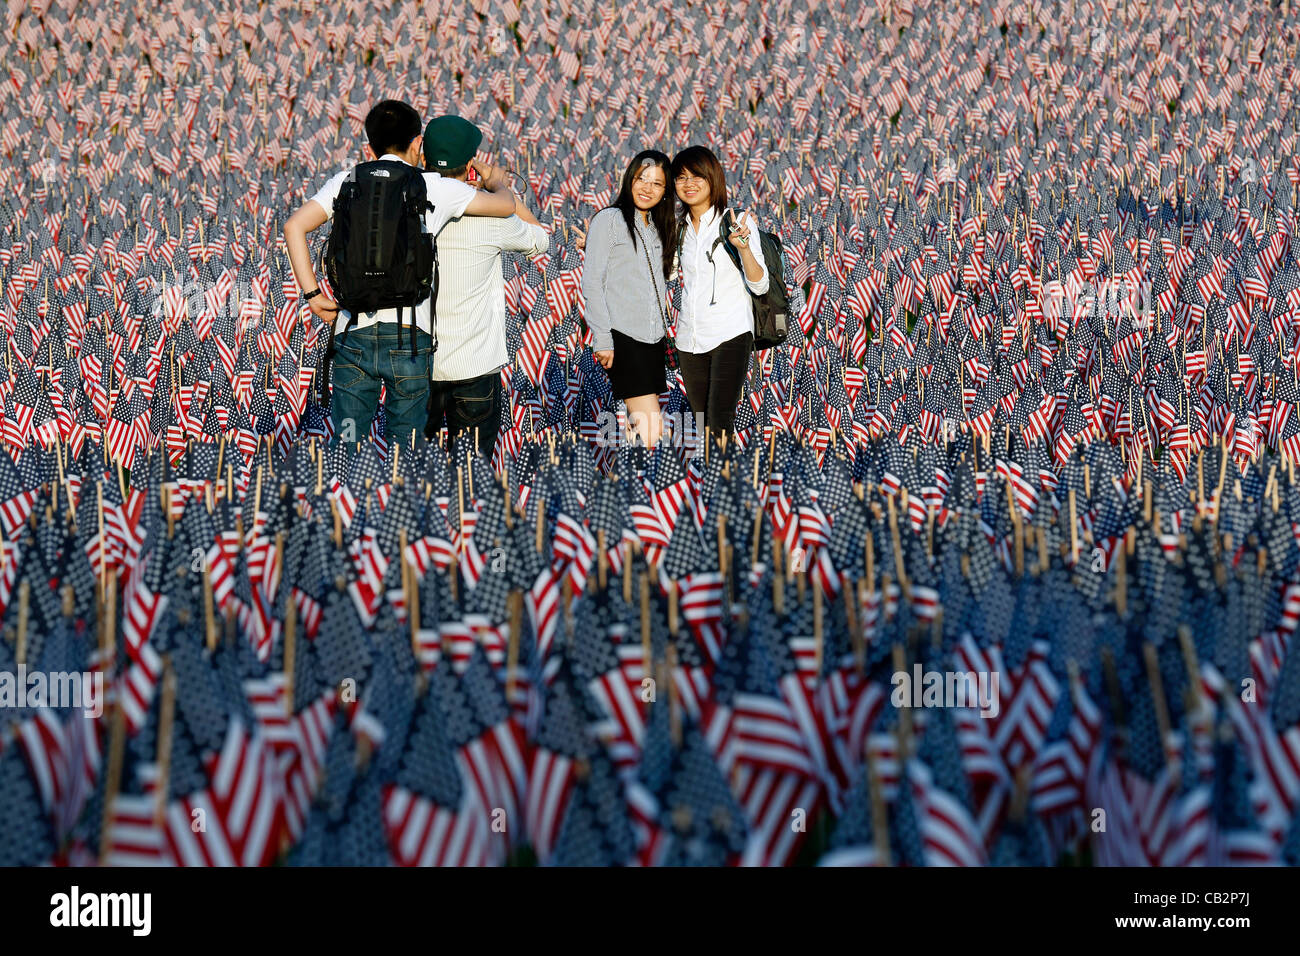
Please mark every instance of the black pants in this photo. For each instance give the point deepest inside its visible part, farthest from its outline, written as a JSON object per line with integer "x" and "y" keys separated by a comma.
{"x": 472, "y": 405}
{"x": 715, "y": 379}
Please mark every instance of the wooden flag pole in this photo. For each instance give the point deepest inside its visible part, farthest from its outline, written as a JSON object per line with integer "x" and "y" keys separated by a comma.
{"x": 103, "y": 565}
{"x": 58, "y": 459}
{"x": 778, "y": 591}
{"x": 166, "y": 723}
{"x": 1074, "y": 528}
{"x": 1017, "y": 529}
{"x": 290, "y": 650}
{"x": 515, "y": 605}
{"x": 110, "y": 623}
{"x": 24, "y": 596}
{"x": 566, "y": 608}
{"x": 406, "y": 571}
{"x": 674, "y": 705}
{"x": 644, "y": 581}
{"x": 602, "y": 559}
{"x": 1200, "y": 489}
{"x": 879, "y": 811}
{"x": 1121, "y": 581}
{"x": 899, "y": 568}
{"x": 904, "y": 713}
{"x": 507, "y": 506}
{"x": 722, "y": 544}
{"x": 817, "y": 597}
{"x": 672, "y": 607}
{"x": 209, "y": 612}
{"x": 758, "y": 528}
{"x": 869, "y": 545}
{"x": 541, "y": 525}
{"x": 625, "y": 547}
{"x": 112, "y": 779}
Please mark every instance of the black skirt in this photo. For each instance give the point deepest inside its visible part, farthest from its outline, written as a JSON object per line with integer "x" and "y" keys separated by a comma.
{"x": 638, "y": 367}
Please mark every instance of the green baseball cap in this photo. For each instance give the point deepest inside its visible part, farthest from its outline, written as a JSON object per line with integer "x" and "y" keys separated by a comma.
{"x": 450, "y": 142}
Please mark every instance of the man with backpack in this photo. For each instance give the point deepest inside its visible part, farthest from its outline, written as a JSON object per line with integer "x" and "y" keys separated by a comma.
{"x": 381, "y": 261}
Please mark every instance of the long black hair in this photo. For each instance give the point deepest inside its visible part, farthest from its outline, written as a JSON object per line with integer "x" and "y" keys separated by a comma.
{"x": 661, "y": 214}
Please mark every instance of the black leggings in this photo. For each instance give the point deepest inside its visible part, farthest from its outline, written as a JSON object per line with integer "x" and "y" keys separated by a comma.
{"x": 714, "y": 380}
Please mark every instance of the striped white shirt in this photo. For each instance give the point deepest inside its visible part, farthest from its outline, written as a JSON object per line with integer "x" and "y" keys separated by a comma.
{"x": 471, "y": 311}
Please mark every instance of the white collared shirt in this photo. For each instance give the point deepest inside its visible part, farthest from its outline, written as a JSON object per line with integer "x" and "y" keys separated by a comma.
{"x": 449, "y": 198}
{"x": 716, "y": 306}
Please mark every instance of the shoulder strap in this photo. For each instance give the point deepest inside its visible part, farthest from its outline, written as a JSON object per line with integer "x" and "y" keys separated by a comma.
{"x": 654, "y": 285}
{"x": 732, "y": 251}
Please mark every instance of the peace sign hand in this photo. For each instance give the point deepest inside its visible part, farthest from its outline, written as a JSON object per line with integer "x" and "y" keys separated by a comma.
{"x": 739, "y": 235}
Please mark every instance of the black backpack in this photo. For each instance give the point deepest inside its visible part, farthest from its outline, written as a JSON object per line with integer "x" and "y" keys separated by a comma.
{"x": 772, "y": 308}
{"x": 378, "y": 255}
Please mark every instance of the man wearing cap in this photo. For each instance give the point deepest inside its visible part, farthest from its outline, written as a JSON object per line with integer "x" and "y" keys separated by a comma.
{"x": 471, "y": 305}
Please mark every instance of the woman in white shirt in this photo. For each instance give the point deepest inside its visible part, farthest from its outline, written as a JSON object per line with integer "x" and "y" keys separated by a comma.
{"x": 715, "y": 329}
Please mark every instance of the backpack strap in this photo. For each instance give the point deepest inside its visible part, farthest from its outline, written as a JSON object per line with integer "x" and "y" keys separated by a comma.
{"x": 347, "y": 327}
{"x": 732, "y": 251}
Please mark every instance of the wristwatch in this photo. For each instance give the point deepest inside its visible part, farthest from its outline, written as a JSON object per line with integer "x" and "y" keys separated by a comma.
{"x": 308, "y": 296}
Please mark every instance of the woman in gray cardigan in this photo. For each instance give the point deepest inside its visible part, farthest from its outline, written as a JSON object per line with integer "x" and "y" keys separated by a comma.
{"x": 629, "y": 250}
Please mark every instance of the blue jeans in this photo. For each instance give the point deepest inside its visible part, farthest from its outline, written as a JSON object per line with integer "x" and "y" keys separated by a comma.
{"x": 363, "y": 361}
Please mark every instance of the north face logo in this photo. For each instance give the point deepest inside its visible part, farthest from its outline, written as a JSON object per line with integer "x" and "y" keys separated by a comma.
{"x": 380, "y": 172}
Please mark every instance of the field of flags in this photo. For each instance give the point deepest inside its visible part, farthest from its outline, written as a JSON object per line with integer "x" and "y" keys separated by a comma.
{"x": 1039, "y": 420}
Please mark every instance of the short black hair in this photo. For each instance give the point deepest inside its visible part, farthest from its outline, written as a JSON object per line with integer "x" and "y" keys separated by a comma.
{"x": 391, "y": 125}
{"x": 453, "y": 173}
